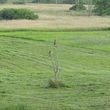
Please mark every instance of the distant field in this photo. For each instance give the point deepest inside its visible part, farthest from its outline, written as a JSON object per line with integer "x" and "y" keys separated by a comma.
{"x": 25, "y": 69}
{"x": 53, "y": 16}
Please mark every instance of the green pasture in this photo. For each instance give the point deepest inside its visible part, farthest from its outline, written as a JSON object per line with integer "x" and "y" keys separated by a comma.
{"x": 25, "y": 68}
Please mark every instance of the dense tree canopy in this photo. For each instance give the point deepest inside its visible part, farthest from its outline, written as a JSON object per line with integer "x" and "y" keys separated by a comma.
{"x": 102, "y": 7}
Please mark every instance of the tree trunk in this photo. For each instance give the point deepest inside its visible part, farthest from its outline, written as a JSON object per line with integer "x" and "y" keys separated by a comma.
{"x": 89, "y": 7}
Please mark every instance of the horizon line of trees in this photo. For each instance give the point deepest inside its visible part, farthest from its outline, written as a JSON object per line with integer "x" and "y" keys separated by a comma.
{"x": 47, "y": 1}
{"x": 101, "y": 7}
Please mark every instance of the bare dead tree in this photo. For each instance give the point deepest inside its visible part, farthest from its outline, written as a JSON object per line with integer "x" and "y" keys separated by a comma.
{"x": 56, "y": 1}
{"x": 54, "y": 60}
{"x": 90, "y": 7}
{"x": 77, "y": 2}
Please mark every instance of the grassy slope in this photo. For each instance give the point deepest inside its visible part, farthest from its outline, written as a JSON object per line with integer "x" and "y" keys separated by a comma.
{"x": 25, "y": 69}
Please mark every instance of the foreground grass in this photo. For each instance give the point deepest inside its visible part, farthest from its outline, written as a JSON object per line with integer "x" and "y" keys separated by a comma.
{"x": 25, "y": 69}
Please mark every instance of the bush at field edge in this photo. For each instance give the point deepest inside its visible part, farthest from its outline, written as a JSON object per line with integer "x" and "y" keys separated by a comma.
{"x": 10, "y": 14}
{"x": 78, "y": 7}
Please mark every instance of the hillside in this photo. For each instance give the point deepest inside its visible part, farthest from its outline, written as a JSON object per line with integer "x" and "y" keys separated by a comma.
{"x": 25, "y": 69}
{"x": 80, "y": 41}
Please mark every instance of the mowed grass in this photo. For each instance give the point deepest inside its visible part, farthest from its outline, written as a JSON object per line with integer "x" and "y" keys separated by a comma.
{"x": 52, "y": 16}
{"x": 25, "y": 69}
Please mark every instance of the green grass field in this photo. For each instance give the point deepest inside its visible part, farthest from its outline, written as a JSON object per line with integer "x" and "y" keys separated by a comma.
{"x": 25, "y": 69}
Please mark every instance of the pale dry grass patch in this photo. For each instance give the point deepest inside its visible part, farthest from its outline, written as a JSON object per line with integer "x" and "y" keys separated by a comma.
{"x": 54, "y": 16}
{"x": 38, "y": 7}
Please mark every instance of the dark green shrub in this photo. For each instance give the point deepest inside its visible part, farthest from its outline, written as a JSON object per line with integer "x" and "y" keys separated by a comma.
{"x": 102, "y": 7}
{"x": 10, "y": 14}
{"x": 78, "y": 7}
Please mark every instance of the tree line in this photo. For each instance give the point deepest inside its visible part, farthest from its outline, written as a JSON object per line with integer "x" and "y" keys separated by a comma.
{"x": 101, "y": 7}
{"x": 46, "y": 1}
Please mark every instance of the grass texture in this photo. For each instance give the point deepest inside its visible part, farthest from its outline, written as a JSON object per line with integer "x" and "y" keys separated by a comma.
{"x": 25, "y": 69}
